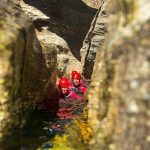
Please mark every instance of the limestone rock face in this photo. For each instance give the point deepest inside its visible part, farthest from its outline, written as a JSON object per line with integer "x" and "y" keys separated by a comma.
{"x": 23, "y": 69}
{"x": 119, "y": 100}
{"x": 69, "y": 19}
{"x": 93, "y": 41}
{"x": 33, "y": 13}
{"x": 93, "y": 3}
{"x": 58, "y": 45}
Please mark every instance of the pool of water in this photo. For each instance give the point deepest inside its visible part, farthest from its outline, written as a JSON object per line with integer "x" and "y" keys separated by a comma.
{"x": 44, "y": 131}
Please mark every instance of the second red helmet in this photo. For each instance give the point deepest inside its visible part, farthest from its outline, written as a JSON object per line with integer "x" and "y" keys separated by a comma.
{"x": 77, "y": 76}
{"x": 73, "y": 73}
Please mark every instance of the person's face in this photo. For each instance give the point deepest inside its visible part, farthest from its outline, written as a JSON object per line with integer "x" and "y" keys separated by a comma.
{"x": 64, "y": 90}
{"x": 76, "y": 81}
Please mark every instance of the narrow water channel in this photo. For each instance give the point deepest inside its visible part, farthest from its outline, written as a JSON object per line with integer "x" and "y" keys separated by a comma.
{"x": 43, "y": 130}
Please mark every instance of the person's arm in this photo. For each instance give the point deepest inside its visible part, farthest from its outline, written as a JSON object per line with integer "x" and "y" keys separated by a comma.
{"x": 83, "y": 89}
{"x": 74, "y": 96}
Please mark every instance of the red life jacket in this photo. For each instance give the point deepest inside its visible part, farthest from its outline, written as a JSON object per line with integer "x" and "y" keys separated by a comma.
{"x": 69, "y": 95}
{"x": 79, "y": 89}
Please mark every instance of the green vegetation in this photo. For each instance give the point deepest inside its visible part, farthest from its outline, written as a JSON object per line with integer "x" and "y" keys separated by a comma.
{"x": 128, "y": 8}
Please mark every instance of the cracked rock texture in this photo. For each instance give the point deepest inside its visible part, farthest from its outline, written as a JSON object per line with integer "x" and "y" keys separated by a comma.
{"x": 70, "y": 20}
{"x": 93, "y": 41}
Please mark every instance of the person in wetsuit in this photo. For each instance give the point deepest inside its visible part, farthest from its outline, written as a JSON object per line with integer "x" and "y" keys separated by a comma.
{"x": 76, "y": 85}
{"x": 64, "y": 91}
{"x": 66, "y": 99}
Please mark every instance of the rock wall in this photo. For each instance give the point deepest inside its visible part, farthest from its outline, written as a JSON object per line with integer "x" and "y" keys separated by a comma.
{"x": 72, "y": 17}
{"x": 24, "y": 71}
{"x": 93, "y": 41}
{"x": 69, "y": 19}
{"x": 119, "y": 99}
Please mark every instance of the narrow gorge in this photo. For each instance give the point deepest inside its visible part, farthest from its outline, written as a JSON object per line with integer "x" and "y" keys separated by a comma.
{"x": 107, "y": 41}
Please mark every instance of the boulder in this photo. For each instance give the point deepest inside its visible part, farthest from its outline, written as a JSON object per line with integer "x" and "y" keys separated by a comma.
{"x": 23, "y": 70}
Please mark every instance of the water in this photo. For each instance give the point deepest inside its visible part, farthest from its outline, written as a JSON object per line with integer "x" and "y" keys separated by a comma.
{"x": 43, "y": 131}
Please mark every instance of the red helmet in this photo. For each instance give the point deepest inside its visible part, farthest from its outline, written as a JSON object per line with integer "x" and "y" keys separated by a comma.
{"x": 77, "y": 76}
{"x": 73, "y": 73}
{"x": 63, "y": 83}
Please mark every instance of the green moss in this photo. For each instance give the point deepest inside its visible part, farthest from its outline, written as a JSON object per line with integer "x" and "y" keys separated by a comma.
{"x": 6, "y": 40}
{"x": 145, "y": 42}
{"x": 128, "y": 8}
